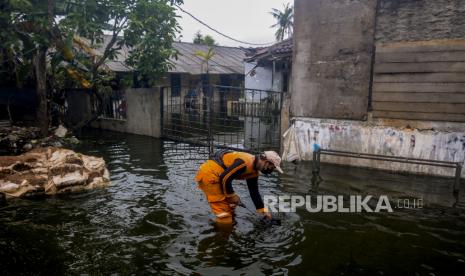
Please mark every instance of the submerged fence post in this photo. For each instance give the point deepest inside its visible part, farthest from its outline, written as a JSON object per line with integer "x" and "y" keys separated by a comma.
{"x": 210, "y": 120}
{"x": 458, "y": 174}
{"x": 316, "y": 167}
{"x": 162, "y": 110}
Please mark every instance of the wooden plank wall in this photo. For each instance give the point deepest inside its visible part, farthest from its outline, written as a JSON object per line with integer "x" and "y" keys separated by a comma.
{"x": 423, "y": 80}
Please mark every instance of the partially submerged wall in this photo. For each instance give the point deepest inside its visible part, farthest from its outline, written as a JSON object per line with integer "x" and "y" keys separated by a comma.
{"x": 418, "y": 80}
{"x": 143, "y": 114}
{"x": 436, "y": 141}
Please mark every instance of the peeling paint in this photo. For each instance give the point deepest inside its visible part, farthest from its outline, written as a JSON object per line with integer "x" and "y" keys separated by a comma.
{"x": 412, "y": 141}
{"x": 368, "y": 137}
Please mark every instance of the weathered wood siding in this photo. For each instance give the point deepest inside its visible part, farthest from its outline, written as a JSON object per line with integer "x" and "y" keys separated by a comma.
{"x": 421, "y": 80}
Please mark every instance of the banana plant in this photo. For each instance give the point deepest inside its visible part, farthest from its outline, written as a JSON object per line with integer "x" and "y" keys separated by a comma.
{"x": 206, "y": 57}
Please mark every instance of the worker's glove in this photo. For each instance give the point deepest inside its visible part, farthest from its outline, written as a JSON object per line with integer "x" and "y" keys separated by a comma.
{"x": 265, "y": 213}
{"x": 233, "y": 200}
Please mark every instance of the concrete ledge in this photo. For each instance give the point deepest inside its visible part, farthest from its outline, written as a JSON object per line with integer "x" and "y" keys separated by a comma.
{"x": 110, "y": 124}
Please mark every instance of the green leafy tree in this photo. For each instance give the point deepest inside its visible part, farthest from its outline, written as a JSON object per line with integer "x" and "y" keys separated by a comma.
{"x": 198, "y": 38}
{"x": 210, "y": 41}
{"x": 285, "y": 21}
{"x": 204, "y": 40}
{"x": 24, "y": 41}
{"x": 142, "y": 30}
{"x": 14, "y": 61}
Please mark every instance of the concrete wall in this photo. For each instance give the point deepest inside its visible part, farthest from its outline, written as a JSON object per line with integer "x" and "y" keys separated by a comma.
{"x": 333, "y": 44}
{"x": 417, "y": 42}
{"x": 263, "y": 79}
{"x": 418, "y": 74}
{"x": 415, "y": 20}
{"x": 143, "y": 114}
{"x": 277, "y": 81}
{"x": 437, "y": 141}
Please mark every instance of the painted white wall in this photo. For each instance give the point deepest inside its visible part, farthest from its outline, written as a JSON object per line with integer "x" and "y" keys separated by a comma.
{"x": 262, "y": 80}
{"x": 277, "y": 82}
{"x": 431, "y": 141}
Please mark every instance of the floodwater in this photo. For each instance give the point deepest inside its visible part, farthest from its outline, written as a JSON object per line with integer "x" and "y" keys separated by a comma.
{"x": 153, "y": 220}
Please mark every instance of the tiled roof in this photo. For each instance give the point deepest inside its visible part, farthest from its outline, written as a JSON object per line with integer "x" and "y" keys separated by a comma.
{"x": 282, "y": 48}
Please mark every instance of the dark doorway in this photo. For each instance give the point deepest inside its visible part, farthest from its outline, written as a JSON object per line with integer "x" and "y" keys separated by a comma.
{"x": 175, "y": 85}
{"x": 225, "y": 82}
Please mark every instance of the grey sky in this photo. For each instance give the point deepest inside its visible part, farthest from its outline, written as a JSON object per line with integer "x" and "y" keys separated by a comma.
{"x": 246, "y": 20}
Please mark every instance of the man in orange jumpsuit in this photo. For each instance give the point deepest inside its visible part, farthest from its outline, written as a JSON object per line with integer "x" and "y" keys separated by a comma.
{"x": 215, "y": 178}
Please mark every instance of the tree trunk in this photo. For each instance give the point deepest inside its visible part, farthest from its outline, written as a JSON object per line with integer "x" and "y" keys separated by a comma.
{"x": 40, "y": 64}
{"x": 41, "y": 91}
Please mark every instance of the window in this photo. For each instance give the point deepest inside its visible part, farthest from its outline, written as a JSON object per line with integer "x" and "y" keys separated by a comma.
{"x": 175, "y": 85}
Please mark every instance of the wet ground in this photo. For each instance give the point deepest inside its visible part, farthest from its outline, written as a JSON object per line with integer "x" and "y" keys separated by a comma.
{"x": 153, "y": 220}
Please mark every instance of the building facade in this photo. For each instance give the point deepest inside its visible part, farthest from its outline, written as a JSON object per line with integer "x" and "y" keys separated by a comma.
{"x": 381, "y": 77}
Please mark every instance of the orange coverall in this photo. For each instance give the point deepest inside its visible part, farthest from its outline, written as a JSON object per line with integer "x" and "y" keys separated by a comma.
{"x": 215, "y": 179}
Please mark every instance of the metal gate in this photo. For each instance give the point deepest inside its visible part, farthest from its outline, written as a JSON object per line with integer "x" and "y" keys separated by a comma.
{"x": 223, "y": 117}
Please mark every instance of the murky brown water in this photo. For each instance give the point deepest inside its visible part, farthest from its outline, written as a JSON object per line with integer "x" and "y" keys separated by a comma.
{"x": 153, "y": 220}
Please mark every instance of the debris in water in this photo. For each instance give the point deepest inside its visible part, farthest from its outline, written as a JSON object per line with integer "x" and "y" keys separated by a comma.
{"x": 61, "y": 131}
{"x": 49, "y": 171}
{"x": 271, "y": 222}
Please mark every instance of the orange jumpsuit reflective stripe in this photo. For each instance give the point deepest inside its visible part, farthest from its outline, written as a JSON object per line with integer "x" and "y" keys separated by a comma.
{"x": 209, "y": 179}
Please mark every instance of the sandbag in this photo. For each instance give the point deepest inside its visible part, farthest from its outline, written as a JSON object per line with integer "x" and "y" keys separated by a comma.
{"x": 49, "y": 171}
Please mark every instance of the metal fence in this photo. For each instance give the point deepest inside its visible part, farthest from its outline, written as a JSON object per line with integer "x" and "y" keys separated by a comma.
{"x": 316, "y": 178}
{"x": 223, "y": 117}
{"x": 112, "y": 106}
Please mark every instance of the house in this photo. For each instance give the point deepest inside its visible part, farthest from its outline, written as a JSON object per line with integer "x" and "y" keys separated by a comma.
{"x": 226, "y": 66}
{"x": 177, "y": 99}
{"x": 267, "y": 75}
{"x": 269, "y": 68}
{"x": 185, "y": 82}
{"x": 386, "y": 78}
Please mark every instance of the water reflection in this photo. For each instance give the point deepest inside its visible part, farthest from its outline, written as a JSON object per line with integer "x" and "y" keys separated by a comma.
{"x": 154, "y": 220}
{"x": 227, "y": 129}
{"x": 261, "y": 133}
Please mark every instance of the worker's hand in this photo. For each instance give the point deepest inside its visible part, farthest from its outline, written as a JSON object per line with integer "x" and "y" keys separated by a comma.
{"x": 265, "y": 213}
{"x": 268, "y": 215}
{"x": 233, "y": 200}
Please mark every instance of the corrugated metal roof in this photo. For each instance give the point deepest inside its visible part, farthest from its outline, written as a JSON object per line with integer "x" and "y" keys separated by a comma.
{"x": 227, "y": 60}
{"x": 118, "y": 64}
